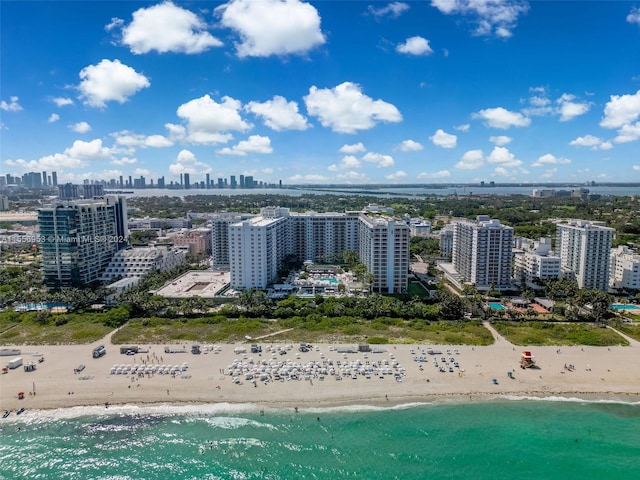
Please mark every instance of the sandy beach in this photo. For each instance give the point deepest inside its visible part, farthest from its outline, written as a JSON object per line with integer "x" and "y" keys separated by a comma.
{"x": 580, "y": 372}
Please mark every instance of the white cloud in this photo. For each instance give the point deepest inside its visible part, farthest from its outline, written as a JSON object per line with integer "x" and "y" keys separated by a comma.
{"x": 354, "y": 148}
{"x": 346, "y": 109}
{"x": 351, "y": 176}
{"x": 278, "y": 114}
{"x": 131, "y": 139}
{"x": 634, "y": 16}
{"x": 628, "y": 133}
{"x": 439, "y": 174}
{"x": 381, "y": 161}
{"x": 272, "y": 27}
{"x": 443, "y": 139}
{"x": 504, "y": 157}
{"x": 502, "y": 118}
{"x": 415, "y": 46}
{"x": 409, "y": 146}
{"x": 549, "y": 173}
{"x": 491, "y": 17}
{"x": 621, "y": 110}
{"x": 207, "y": 120}
{"x": 500, "y": 140}
{"x": 54, "y": 117}
{"x": 12, "y": 106}
{"x": 80, "y": 127}
{"x": 595, "y": 143}
{"x": 636, "y": 168}
{"x": 348, "y": 162}
{"x": 186, "y": 162}
{"x": 92, "y": 150}
{"x": 501, "y": 172}
{"x": 124, "y": 161}
{"x": 549, "y": 159}
{"x": 396, "y": 176}
{"x": 569, "y": 109}
{"x": 62, "y": 101}
{"x": 254, "y": 144}
{"x": 462, "y": 128}
{"x": 471, "y": 160}
{"x": 141, "y": 171}
{"x": 114, "y": 23}
{"x": 166, "y": 28}
{"x": 309, "y": 178}
{"x": 393, "y": 10}
{"x": 57, "y": 161}
{"x": 108, "y": 81}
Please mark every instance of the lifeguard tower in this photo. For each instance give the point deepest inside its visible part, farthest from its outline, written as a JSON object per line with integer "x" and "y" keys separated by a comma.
{"x": 527, "y": 360}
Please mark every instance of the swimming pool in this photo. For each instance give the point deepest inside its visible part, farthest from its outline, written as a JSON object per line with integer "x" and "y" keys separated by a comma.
{"x": 621, "y": 306}
{"x": 496, "y": 306}
{"x": 328, "y": 279}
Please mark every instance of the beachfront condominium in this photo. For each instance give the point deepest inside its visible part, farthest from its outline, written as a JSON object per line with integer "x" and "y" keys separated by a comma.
{"x": 534, "y": 262}
{"x": 585, "y": 250}
{"x": 482, "y": 253}
{"x": 384, "y": 250}
{"x": 625, "y": 269}
{"x": 77, "y": 239}
{"x": 258, "y": 246}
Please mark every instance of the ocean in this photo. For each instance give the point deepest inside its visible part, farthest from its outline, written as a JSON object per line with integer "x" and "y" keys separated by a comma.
{"x": 501, "y": 439}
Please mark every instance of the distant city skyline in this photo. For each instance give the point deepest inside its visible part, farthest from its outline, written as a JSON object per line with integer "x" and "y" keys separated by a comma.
{"x": 440, "y": 91}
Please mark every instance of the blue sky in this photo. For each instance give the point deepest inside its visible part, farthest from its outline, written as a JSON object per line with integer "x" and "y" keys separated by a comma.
{"x": 440, "y": 91}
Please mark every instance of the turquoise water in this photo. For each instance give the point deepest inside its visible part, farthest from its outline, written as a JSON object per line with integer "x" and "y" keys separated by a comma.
{"x": 502, "y": 439}
{"x": 330, "y": 280}
{"x": 497, "y": 306}
{"x": 620, "y": 306}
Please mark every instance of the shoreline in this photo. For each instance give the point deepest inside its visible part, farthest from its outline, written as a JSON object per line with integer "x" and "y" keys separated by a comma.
{"x": 597, "y": 374}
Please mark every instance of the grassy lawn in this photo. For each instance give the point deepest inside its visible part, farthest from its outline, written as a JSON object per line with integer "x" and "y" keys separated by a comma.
{"x": 543, "y": 333}
{"x": 415, "y": 289}
{"x": 76, "y": 331}
{"x": 630, "y": 329}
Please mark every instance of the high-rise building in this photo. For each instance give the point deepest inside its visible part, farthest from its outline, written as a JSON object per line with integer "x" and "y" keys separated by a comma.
{"x": 220, "y": 183}
{"x": 242, "y": 185}
{"x": 625, "y": 269}
{"x": 248, "y": 181}
{"x": 585, "y": 250}
{"x": 32, "y": 180}
{"x": 68, "y": 191}
{"x": 232, "y": 181}
{"x": 121, "y": 182}
{"x": 482, "y": 253}
{"x": 54, "y": 178}
{"x": 161, "y": 182}
{"x": 534, "y": 261}
{"x": 44, "y": 178}
{"x": 208, "y": 180}
{"x": 92, "y": 190}
{"x": 78, "y": 239}
{"x": 187, "y": 181}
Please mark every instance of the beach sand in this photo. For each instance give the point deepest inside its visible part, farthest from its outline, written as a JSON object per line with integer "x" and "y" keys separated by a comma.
{"x": 600, "y": 373}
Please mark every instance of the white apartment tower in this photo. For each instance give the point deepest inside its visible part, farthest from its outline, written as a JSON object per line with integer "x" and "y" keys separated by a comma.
{"x": 384, "y": 250}
{"x": 535, "y": 260}
{"x": 482, "y": 252}
{"x": 584, "y": 250}
{"x": 625, "y": 269}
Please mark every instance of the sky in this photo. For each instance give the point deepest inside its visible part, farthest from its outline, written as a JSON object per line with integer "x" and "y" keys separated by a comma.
{"x": 322, "y": 92}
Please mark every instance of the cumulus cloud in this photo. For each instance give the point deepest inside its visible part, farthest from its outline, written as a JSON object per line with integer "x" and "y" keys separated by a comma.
{"x": 134, "y": 140}
{"x": 354, "y": 148}
{"x": 308, "y": 178}
{"x": 595, "y": 143}
{"x": 208, "y": 121}
{"x": 12, "y": 106}
{"x": 393, "y": 10}
{"x": 272, "y": 27}
{"x": 501, "y": 172}
{"x": 54, "y": 117}
{"x": 166, "y": 28}
{"x": 124, "y": 161}
{"x": 502, "y": 118}
{"x": 634, "y": 16}
{"x": 396, "y": 176}
{"x": 471, "y": 160}
{"x": 79, "y": 155}
{"x": 569, "y": 108}
{"x": 186, "y": 162}
{"x": 409, "y": 146}
{"x": 348, "y": 162}
{"x": 549, "y": 159}
{"x": 628, "y": 133}
{"x": 254, "y": 144}
{"x": 80, "y": 127}
{"x": 93, "y": 150}
{"x": 279, "y": 114}
{"x": 621, "y": 110}
{"x": 636, "y": 168}
{"x": 346, "y": 109}
{"x": 549, "y": 173}
{"x": 462, "y": 128}
{"x": 500, "y": 140}
{"x": 434, "y": 175}
{"x": 415, "y": 46}
{"x": 490, "y": 17}
{"x": 141, "y": 171}
{"x": 443, "y": 139}
{"x": 62, "y": 101}
{"x": 503, "y": 157}
{"x": 381, "y": 161}
{"x": 109, "y": 81}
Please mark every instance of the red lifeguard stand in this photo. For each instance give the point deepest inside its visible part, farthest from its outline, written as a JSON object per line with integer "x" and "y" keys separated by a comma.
{"x": 527, "y": 360}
